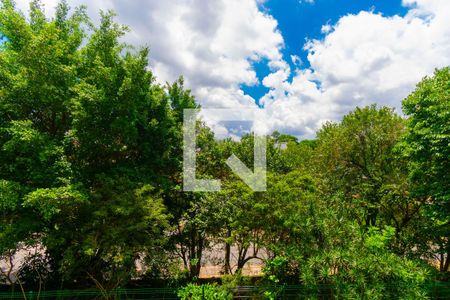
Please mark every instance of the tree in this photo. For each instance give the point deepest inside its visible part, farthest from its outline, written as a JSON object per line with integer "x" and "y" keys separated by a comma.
{"x": 299, "y": 155}
{"x": 91, "y": 175}
{"x": 363, "y": 168}
{"x": 193, "y": 217}
{"x": 239, "y": 223}
{"x": 85, "y": 140}
{"x": 358, "y": 160}
{"x": 426, "y": 145}
{"x": 322, "y": 215}
{"x": 365, "y": 267}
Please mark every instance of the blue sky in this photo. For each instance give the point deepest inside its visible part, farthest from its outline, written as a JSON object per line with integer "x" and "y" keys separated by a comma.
{"x": 2, "y": 39}
{"x": 238, "y": 53}
{"x": 300, "y": 20}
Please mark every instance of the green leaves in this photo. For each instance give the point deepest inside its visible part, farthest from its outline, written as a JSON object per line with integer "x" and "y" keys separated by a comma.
{"x": 9, "y": 195}
{"x": 325, "y": 211}
{"x": 377, "y": 239}
{"x": 52, "y": 202}
{"x": 85, "y": 135}
{"x": 427, "y": 140}
{"x": 91, "y": 162}
{"x": 426, "y": 145}
{"x": 358, "y": 159}
{"x": 204, "y": 292}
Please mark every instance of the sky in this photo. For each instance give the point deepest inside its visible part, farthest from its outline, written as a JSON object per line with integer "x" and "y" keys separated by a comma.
{"x": 302, "y": 62}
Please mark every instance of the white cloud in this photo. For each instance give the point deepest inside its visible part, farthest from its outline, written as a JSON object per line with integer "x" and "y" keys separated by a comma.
{"x": 211, "y": 43}
{"x": 296, "y": 60}
{"x": 364, "y": 58}
{"x": 367, "y": 58}
{"x": 326, "y": 28}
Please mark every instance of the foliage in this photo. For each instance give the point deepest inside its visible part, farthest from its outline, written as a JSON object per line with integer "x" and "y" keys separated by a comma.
{"x": 77, "y": 114}
{"x": 91, "y": 176}
{"x": 204, "y": 291}
{"x": 325, "y": 233}
{"x": 426, "y": 146}
{"x": 367, "y": 269}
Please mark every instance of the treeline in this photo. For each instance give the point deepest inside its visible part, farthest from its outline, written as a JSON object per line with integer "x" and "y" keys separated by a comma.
{"x": 91, "y": 176}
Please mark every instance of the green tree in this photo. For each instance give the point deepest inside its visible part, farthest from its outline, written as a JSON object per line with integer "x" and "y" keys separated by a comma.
{"x": 427, "y": 146}
{"x": 239, "y": 223}
{"x": 358, "y": 161}
{"x": 193, "y": 218}
{"x": 322, "y": 214}
{"x": 363, "y": 169}
{"x": 85, "y": 144}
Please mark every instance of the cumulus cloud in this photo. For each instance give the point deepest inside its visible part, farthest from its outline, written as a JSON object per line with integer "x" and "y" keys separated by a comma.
{"x": 296, "y": 60}
{"x": 364, "y": 58}
{"x": 367, "y": 58}
{"x": 326, "y": 28}
{"x": 211, "y": 43}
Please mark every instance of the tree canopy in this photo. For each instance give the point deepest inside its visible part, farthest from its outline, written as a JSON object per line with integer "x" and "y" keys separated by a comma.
{"x": 91, "y": 177}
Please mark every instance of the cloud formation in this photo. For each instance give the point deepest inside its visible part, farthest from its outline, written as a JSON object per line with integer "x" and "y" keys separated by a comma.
{"x": 364, "y": 58}
{"x": 211, "y": 43}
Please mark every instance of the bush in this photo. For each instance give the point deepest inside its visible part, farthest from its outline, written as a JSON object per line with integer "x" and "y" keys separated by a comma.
{"x": 204, "y": 292}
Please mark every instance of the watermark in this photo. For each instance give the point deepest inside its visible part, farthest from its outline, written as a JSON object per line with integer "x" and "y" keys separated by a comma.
{"x": 255, "y": 179}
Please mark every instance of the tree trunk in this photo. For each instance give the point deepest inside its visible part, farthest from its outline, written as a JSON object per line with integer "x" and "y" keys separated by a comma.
{"x": 227, "y": 266}
{"x": 241, "y": 259}
{"x": 195, "y": 253}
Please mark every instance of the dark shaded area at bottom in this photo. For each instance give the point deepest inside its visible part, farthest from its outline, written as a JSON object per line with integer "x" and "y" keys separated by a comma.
{"x": 438, "y": 290}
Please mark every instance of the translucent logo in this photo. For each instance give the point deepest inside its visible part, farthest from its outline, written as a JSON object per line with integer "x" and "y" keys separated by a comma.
{"x": 255, "y": 179}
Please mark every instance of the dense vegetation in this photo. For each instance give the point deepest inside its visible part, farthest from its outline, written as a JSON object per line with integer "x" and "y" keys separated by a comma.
{"x": 91, "y": 172}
